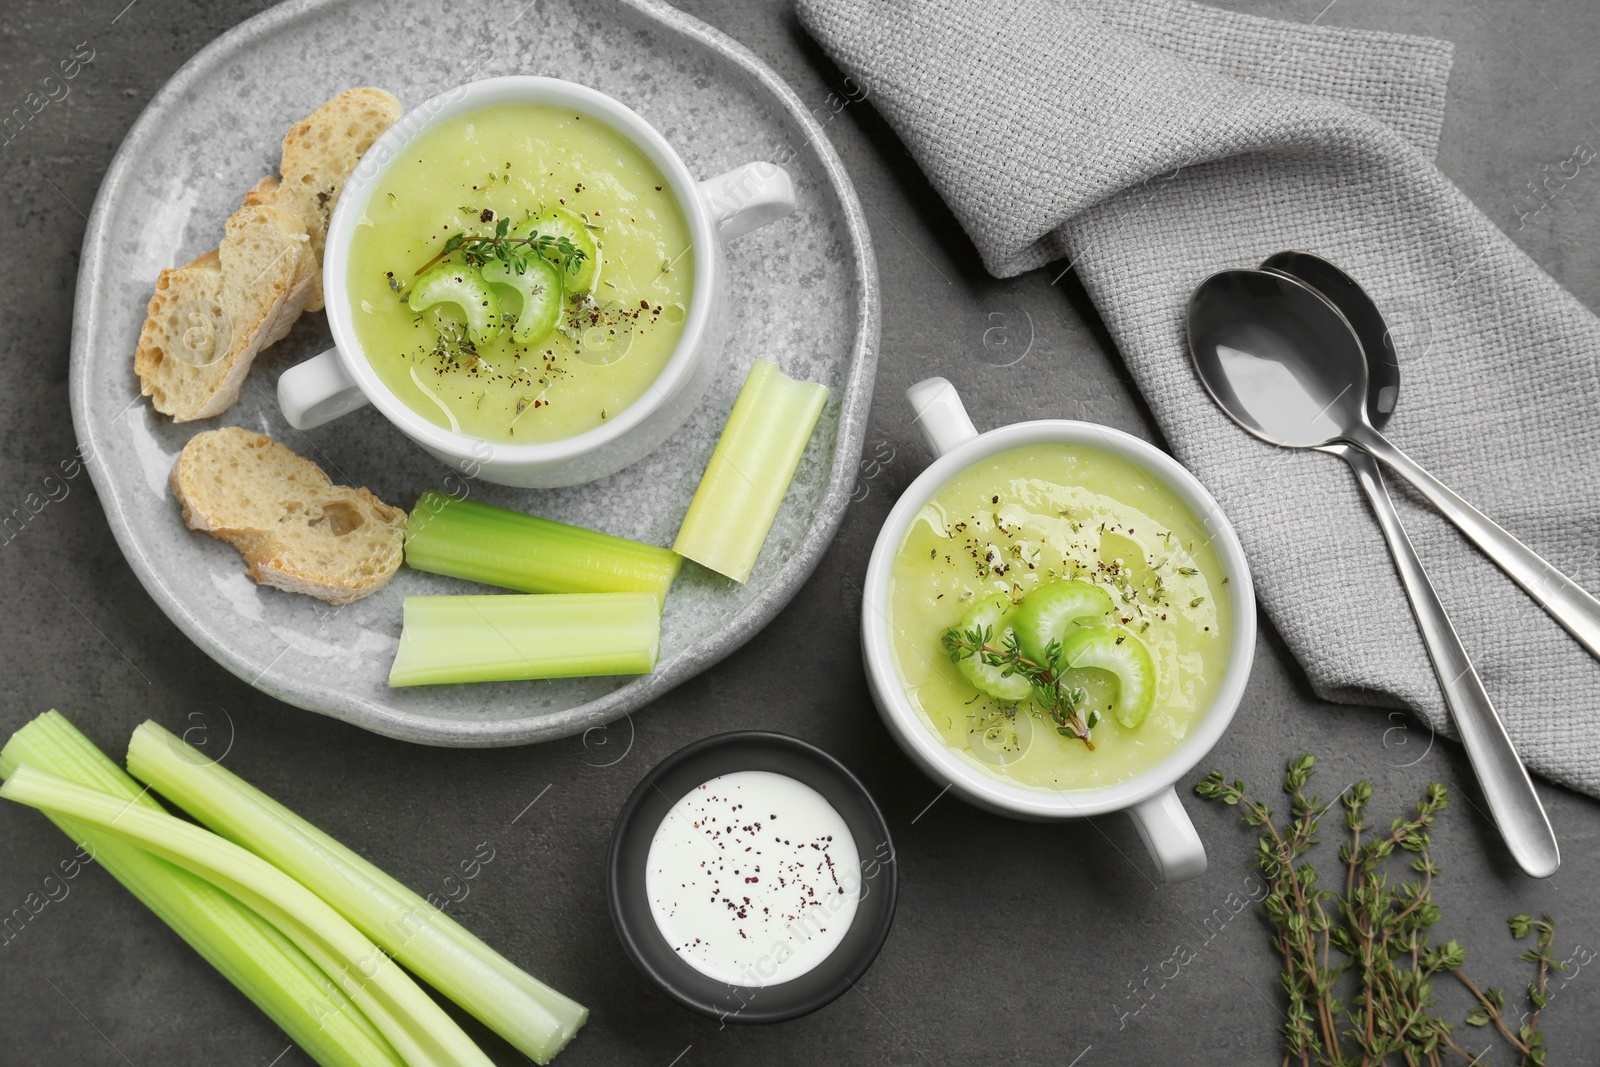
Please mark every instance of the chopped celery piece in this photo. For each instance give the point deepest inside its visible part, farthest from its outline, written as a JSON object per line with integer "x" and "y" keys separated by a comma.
{"x": 463, "y": 286}
{"x": 415, "y": 1025}
{"x": 578, "y": 274}
{"x": 535, "y": 1018}
{"x": 510, "y": 637}
{"x": 1122, "y": 655}
{"x": 539, "y": 286}
{"x": 246, "y": 949}
{"x": 750, "y": 471}
{"x": 1049, "y": 612}
{"x": 483, "y": 543}
{"x": 993, "y": 618}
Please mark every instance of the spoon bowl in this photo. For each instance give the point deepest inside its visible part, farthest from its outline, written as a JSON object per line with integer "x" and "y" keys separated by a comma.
{"x": 1359, "y": 310}
{"x": 1279, "y": 358}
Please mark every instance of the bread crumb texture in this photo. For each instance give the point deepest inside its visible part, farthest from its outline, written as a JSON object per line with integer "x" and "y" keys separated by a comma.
{"x": 296, "y": 530}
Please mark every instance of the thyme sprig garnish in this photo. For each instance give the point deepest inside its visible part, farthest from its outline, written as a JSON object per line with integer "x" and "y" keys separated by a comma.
{"x": 478, "y": 249}
{"x": 1061, "y": 702}
{"x": 1379, "y": 928}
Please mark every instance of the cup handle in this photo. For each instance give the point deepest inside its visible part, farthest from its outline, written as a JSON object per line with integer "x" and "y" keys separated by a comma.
{"x": 1169, "y": 836}
{"x": 318, "y": 391}
{"x": 748, "y": 198}
{"x": 940, "y": 415}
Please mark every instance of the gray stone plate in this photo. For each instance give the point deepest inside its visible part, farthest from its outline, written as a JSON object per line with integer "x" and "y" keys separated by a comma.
{"x": 805, "y": 292}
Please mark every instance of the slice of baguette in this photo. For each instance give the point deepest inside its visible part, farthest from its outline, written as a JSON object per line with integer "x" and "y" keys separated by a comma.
{"x": 297, "y": 530}
{"x": 319, "y": 153}
{"x": 207, "y": 320}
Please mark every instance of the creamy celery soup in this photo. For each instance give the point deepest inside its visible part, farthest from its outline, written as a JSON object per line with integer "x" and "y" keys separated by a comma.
{"x": 521, "y": 273}
{"x": 1059, "y": 617}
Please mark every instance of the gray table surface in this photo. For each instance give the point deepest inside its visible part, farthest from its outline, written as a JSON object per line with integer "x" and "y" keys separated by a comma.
{"x": 1014, "y": 942}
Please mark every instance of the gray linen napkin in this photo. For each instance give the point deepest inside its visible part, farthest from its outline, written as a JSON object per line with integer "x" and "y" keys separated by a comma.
{"x": 1149, "y": 143}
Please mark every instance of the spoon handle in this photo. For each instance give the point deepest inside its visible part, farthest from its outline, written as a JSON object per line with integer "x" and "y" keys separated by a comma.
{"x": 1564, "y": 599}
{"x": 1506, "y": 786}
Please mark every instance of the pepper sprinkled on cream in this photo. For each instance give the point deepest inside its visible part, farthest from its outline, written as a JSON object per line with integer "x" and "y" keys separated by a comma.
{"x": 753, "y": 878}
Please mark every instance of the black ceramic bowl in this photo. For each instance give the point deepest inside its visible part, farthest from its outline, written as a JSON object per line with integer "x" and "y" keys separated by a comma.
{"x": 668, "y": 782}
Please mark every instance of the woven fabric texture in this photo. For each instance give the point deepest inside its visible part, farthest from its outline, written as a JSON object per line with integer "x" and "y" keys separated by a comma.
{"x": 1149, "y": 143}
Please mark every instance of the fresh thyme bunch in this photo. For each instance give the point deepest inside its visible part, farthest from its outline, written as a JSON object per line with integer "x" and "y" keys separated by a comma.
{"x": 1378, "y": 929}
{"x": 478, "y": 249}
{"x": 1058, "y": 700}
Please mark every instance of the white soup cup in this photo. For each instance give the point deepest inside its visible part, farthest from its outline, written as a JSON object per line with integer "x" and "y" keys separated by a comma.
{"x": 1149, "y": 798}
{"x": 717, "y": 210}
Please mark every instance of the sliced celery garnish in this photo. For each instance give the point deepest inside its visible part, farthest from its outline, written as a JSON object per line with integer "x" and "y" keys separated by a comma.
{"x": 1121, "y": 654}
{"x": 511, "y": 637}
{"x": 995, "y": 616}
{"x": 414, "y": 1024}
{"x": 750, "y": 471}
{"x": 246, "y": 949}
{"x": 463, "y": 286}
{"x": 529, "y": 1014}
{"x": 538, "y": 287}
{"x": 483, "y": 543}
{"x": 554, "y": 225}
{"x": 1050, "y": 611}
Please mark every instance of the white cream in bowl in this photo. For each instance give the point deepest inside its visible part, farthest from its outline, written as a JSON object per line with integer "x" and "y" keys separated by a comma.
{"x": 753, "y": 878}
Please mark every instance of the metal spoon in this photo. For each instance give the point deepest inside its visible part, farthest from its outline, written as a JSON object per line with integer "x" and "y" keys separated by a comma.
{"x": 1506, "y": 786}
{"x": 1284, "y": 363}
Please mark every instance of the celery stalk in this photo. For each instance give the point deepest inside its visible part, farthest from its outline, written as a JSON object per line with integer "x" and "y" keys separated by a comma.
{"x": 510, "y": 637}
{"x": 750, "y": 471}
{"x": 414, "y": 1024}
{"x": 246, "y": 949}
{"x": 483, "y": 543}
{"x": 529, "y": 1014}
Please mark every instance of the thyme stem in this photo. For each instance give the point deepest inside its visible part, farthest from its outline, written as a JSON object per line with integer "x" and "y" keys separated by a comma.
{"x": 1491, "y": 1010}
{"x": 1381, "y": 930}
{"x": 478, "y": 249}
